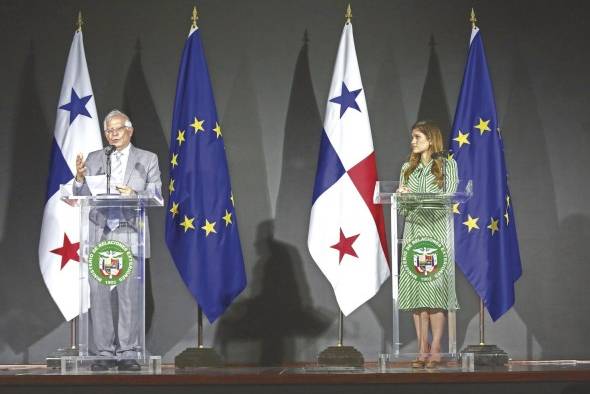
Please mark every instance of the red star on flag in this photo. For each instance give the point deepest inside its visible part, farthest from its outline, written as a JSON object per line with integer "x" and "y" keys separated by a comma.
{"x": 68, "y": 251}
{"x": 344, "y": 246}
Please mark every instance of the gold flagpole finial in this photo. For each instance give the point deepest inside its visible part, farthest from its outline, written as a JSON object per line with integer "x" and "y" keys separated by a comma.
{"x": 473, "y": 19}
{"x": 348, "y": 14}
{"x": 194, "y": 18}
{"x": 80, "y": 22}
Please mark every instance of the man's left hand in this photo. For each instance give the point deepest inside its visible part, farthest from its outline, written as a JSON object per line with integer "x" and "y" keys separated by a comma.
{"x": 125, "y": 190}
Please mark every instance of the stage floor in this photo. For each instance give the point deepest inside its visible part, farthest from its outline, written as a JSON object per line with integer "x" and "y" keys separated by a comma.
{"x": 516, "y": 371}
{"x": 517, "y": 377}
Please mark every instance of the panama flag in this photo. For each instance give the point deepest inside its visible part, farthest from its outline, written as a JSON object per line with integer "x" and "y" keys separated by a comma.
{"x": 76, "y": 131}
{"x": 346, "y": 230}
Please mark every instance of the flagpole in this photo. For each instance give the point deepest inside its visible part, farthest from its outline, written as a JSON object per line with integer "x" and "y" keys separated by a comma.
{"x": 348, "y": 14}
{"x": 74, "y": 321}
{"x": 473, "y": 19}
{"x": 194, "y": 18}
{"x": 340, "y": 328}
{"x": 54, "y": 359}
{"x": 74, "y": 333}
{"x": 484, "y": 355}
{"x": 340, "y": 355}
{"x": 199, "y": 327}
{"x": 481, "y": 323}
{"x": 199, "y": 356}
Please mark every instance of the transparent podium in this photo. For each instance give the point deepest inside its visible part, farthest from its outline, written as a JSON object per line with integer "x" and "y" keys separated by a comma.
{"x": 423, "y": 272}
{"x": 112, "y": 251}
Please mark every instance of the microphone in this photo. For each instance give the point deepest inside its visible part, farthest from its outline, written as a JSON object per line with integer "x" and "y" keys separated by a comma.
{"x": 109, "y": 149}
{"x": 443, "y": 154}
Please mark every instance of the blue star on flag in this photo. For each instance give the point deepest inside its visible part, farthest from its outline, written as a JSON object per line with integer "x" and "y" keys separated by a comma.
{"x": 347, "y": 99}
{"x": 77, "y": 106}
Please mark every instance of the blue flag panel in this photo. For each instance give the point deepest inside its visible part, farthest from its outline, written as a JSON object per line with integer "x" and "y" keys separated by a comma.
{"x": 201, "y": 224}
{"x": 486, "y": 244}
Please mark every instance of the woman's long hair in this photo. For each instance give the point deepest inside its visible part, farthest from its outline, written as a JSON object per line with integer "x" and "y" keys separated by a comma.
{"x": 434, "y": 135}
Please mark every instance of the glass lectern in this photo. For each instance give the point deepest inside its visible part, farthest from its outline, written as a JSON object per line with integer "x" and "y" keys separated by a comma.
{"x": 422, "y": 255}
{"x": 113, "y": 232}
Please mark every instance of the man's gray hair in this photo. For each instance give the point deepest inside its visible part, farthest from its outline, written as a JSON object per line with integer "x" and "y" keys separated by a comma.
{"x": 114, "y": 113}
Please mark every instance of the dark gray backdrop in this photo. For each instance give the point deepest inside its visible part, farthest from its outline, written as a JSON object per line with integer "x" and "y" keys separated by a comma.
{"x": 271, "y": 64}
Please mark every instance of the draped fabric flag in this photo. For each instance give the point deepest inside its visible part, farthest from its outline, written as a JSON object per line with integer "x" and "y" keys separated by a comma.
{"x": 486, "y": 245}
{"x": 76, "y": 131}
{"x": 346, "y": 230}
{"x": 201, "y": 224}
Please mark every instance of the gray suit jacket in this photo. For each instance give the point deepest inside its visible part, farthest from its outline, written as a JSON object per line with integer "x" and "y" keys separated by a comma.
{"x": 142, "y": 174}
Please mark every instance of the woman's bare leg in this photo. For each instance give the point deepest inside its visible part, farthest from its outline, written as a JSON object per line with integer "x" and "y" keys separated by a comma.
{"x": 421, "y": 323}
{"x": 437, "y": 322}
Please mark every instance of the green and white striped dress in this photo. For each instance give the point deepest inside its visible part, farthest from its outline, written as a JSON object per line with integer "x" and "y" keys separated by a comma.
{"x": 420, "y": 224}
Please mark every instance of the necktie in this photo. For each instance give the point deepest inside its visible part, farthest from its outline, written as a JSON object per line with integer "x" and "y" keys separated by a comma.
{"x": 116, "y": 179}
{"x": 117, "y": 168}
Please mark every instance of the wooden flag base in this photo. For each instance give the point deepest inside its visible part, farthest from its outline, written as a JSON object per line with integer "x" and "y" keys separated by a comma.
{"x": 341, "y": 356}
{"x": 487, "y": 356}
{"x": 195, "y": 357}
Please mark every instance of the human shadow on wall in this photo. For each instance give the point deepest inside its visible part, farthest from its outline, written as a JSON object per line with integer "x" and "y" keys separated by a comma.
{"x": 533, "y": 200}
{"x": 27, "y": 311}
{"x": 389, "y": 126}
{"x": 161, "y": 278}
{"x": 276, "y": 313}
{"x": 434, "y": 106}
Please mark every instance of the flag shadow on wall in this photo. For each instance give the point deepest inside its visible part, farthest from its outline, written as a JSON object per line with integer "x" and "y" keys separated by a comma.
{"x": 27, "y": 311}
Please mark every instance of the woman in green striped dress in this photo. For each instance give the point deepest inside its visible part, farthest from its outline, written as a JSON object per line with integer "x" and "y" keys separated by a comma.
{"x": 427, "y": 275}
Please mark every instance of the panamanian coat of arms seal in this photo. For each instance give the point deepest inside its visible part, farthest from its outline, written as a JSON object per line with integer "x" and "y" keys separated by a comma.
{"x": 425, "y": 259}
{"x": 110, "y": 262}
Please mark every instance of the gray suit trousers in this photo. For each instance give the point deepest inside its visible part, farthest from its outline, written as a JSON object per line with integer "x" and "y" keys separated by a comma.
{"x": 129, "y": 296}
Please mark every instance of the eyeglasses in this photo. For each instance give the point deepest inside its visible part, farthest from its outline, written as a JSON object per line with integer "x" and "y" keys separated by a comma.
{"x": 114, "y": 130}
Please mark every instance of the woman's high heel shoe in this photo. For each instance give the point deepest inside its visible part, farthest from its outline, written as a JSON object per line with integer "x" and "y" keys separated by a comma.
{"x": 417, "y": 363}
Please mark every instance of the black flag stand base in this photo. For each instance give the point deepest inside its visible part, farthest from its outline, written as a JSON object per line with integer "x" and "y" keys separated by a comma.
{"x": 54, "y": 359}
{"x": 486, "y": 356}
{"x": 200, "y": 356}
{"x": 195, "y": 357}
{"x": 341, "y": 356}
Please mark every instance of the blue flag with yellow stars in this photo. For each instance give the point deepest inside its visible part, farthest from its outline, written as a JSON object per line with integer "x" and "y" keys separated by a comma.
{"x": 486, "y": 245}
{"x": 201, "y": 224}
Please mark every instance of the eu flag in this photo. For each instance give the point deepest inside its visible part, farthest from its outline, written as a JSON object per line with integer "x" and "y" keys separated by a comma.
{"x": 486, "y": 245}
{"x": 201, "y": 224}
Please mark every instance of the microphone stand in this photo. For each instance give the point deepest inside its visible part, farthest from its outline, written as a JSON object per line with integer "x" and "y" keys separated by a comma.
{"x": 108, "y": 174}
{"x": 444, "y": 172}
{"x": 108, "y": 151}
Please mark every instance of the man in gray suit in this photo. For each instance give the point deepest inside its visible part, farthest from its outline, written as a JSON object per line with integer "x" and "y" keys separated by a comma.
{"x": 133, "y": 171}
